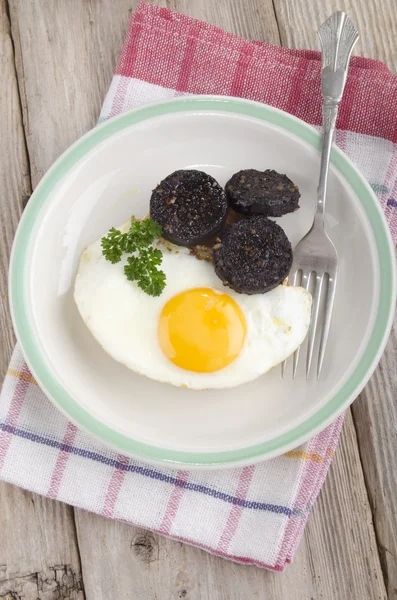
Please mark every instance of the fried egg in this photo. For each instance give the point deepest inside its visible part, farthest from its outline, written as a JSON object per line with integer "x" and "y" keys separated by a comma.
{"x": 198, "y": 333}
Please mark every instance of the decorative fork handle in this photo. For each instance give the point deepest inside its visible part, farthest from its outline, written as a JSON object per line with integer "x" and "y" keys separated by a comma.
{"x": 338, "y": 36}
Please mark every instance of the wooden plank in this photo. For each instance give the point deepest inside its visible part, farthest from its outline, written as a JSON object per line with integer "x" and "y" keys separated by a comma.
{"x": 14, "y": 177}
{"x": 340, "y": 535}
{"x": 38, "y": 550}
{"x": 65, "y": 63}
{"x": 337, "y": 558}
{"x": 376, "y": 22}
{"x": 39, "y": 558}
{"x": 253, "y": 21}
{"x": 375, "y": 416}
{"x": 69, "y": 75}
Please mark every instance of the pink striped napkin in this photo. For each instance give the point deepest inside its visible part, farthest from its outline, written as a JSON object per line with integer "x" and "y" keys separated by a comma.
{"x": 256, "y": 514}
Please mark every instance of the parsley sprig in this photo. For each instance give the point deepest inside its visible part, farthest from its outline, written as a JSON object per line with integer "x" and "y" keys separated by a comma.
{"x": 142, "y": 265}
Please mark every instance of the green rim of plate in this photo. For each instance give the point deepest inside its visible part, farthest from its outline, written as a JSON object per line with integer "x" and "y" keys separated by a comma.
{"x": 288, "y": 440}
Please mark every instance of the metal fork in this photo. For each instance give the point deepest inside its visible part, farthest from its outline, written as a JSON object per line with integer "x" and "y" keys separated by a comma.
{"x": 315, "y": 256}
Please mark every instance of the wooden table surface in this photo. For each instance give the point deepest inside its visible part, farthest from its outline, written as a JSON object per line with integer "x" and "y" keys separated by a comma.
{"x": 56, "y": 64}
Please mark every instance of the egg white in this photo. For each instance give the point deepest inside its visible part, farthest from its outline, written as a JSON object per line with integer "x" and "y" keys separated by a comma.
{"x": 124, "y": 320}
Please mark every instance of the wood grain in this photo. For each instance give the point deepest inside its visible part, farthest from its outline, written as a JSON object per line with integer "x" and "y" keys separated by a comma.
{"x": 376, "y": 22}
{"x": 38, "y": 550}
{"x": 340, "y": 532}
{"x": 14, "y": 176}
{"x": 65, "y": 55}
{"x": 253, "y": 20}
{"x": 39, "y": 558}
{"x": 375, "y": 416}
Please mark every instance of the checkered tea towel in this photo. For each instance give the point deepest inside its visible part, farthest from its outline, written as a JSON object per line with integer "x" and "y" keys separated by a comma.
{"x": 254, "y": 514}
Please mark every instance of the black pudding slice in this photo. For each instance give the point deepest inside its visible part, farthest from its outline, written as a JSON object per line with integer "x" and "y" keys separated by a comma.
{"x": 253, "y": 256}
{"x": 190, "y": 206}
{"x": 268, "y": 193}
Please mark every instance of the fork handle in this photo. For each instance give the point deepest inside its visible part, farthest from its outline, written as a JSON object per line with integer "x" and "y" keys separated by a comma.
{"x": 338, "y": 36}
{"x": 330, "y": 113}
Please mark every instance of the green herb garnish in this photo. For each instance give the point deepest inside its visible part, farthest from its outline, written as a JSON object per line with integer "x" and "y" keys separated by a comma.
{"x": 142, "y": 265}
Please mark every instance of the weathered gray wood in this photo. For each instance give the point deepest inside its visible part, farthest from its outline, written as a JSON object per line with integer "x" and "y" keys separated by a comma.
{"x": 38, "y": 551}
{"x": 14, "y": 177}
{"x": 337, "y": 559}
{"x": 39, "y": 558}
{"x": 376, "y": 21}
{"x": 66, "y": 52}
{"x": 340, "y": 534}
{"x": 254, "y": 20}
{"x": 375, "y": 416}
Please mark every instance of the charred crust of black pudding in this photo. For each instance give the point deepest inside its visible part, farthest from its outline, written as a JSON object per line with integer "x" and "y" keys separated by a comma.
{"x": 268, "y": 193}
{"x": 253, "y": 256}
{"x": 190, "y": 206}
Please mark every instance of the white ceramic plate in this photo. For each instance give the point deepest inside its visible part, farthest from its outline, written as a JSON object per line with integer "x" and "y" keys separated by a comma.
{"x": 107, "y": 176}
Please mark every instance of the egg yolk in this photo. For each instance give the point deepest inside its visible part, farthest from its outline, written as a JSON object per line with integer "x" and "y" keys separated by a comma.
{"x": 201, "y": 330}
